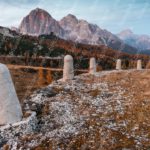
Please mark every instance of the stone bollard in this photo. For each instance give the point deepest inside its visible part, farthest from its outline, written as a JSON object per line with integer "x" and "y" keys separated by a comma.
{"x": 139, "y": 65}
{"x": 10, "y": 109}
{"x": 68, "y": 70}
{"x": 92, "y": 66}
{"x": 118, "y": 64}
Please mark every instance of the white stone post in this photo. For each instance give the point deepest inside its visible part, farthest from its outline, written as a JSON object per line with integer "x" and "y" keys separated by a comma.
{"x": 10, "y": 109}
{"x": 118, "y": 64}
{"x": 92, "y": 66}
{"x": 68, "y": 70}
{"x": 139, "y": 65}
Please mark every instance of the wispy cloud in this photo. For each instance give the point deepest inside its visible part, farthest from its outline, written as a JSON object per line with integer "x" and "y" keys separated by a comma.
{"x": 113, "y": 15}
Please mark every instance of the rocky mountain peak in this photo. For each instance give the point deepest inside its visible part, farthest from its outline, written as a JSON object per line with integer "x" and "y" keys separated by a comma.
{"x": 39, "y": 11}
{"x": 141, "y": 42}
{"x": 38, "y": 22}
{"x": 126, "y": 32}
{"x": 70, "y": 16}
{"x": 68, "y": 22}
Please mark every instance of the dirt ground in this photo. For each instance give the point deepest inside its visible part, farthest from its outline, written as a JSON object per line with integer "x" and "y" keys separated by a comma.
{"x": 29, "y": 79}
{"x": 136, "y": 85}
{"x": 106, "y": 111}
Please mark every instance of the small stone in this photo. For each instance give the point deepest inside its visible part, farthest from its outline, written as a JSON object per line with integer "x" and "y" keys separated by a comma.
{"x": 68, "y": 71}
{"x": 139, "y": 65}
{"x": 118, "y": 64}
{"x": 92, "y": 66}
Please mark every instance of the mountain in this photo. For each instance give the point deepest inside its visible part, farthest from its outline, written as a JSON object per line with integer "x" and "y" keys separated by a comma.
{"x": 141, "y": 42}
{"x": 83, "y": 32}
{"x": 6, "y": 32}
{"x": 38, "y": 22}
{"x": 33, "y": 50}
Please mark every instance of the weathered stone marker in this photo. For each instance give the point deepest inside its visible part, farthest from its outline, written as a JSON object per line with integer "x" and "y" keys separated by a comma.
{"x": 139, "y": 65}
{"x": 10, "y": 109}
{"x": 118, "y": 64}
{"x": 68, "y": 70}
{"x": 92, "y": 66}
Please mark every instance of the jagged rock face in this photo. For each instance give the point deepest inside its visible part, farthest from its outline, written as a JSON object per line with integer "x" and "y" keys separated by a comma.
{"x": 83, "y": 32}
{"x": 40, "y": 22}
{"x": 69, "y": 22}
{"x": 70, "y": 28}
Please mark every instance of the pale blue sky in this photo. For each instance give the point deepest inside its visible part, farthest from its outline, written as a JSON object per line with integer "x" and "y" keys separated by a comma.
{"x": 113, "y": 15}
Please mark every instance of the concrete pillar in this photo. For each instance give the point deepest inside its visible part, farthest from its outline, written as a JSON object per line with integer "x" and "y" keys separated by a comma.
{"x": 10, "y": 109}
{"x": 92, "y": 66}
{"x": 68, "y": 70}
{"x": 139, "y": 65}
{"x": 118, "y": 64}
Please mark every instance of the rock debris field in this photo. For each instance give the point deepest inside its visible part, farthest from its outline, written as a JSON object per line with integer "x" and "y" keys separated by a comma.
{"x": 105, "y": 111}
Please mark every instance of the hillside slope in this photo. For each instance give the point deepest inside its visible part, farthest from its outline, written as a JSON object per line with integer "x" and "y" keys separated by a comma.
{"x": 106, "y": 111}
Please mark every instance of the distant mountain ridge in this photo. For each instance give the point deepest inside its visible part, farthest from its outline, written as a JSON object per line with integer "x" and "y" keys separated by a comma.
{"x": 39, "y": 22}
{"x": 141, "y": 42}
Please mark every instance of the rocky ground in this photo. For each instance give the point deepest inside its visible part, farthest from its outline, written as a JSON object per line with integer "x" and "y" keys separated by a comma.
{"x": 105, "y": 111}
{"x": 28, "y": 79}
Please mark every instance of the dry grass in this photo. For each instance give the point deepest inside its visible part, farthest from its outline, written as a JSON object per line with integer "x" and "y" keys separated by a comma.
{"x": 94, "y": 93}
{"x": 136, "y": 115}
{"x": 27, "y": 80}
{"x": 95, "y": 133}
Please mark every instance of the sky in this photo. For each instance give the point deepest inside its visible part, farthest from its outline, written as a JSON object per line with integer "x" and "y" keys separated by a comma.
{"x": 112, "y": 15}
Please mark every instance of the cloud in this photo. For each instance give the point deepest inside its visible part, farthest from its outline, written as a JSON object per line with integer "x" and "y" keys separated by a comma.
{"x": 113, "y": 15}
{"x": 20, "y": 2}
